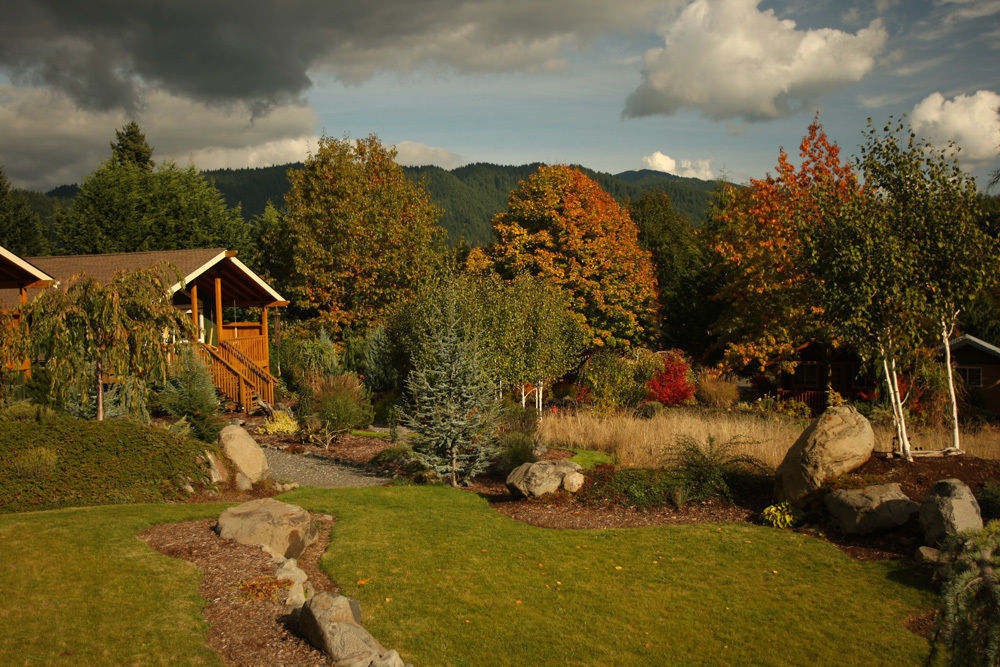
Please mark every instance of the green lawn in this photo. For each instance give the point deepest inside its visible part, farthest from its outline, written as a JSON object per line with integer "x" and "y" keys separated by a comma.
{"x": 443, "y": 576}
{"x": 78, "y": 587}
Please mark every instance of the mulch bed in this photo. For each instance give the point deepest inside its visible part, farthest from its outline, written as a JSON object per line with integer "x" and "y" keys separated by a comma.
{"x": 244, "y": 629}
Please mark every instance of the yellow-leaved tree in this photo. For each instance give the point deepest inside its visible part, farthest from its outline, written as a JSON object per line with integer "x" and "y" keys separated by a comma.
{"x": 561, "y": 226}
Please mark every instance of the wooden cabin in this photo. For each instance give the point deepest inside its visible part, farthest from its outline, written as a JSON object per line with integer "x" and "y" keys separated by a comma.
{"x": 978, "y": 364}
{"x": 17, "y": 276}
{"x": 211, "y": 283}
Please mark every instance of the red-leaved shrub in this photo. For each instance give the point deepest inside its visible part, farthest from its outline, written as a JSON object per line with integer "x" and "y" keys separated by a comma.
{"x": 672, "y": 385}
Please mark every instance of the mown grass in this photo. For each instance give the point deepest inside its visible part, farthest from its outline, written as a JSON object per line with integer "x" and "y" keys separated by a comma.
{"x": 588, "y": 458}
{"x": 445, "y": 579}
{"x": 78, "y": 587}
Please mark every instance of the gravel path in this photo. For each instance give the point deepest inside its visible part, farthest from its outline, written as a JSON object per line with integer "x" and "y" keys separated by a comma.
{"x": 313, "y": 471}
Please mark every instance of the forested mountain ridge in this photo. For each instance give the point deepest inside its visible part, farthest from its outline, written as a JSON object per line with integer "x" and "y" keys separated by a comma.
{"x": 469, "y": 196}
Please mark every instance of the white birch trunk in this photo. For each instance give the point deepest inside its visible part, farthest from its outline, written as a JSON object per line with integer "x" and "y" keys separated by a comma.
{"x": 524, "y": 397}
{"x": 892, "y": 402}
{"x": 904, "y": 436}
{"x": 946, "y": 332}
{"x": 538, "y": 397}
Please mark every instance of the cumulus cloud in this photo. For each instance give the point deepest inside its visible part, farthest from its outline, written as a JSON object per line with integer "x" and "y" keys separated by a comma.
{"x": 659, "y": 161}
{"x": 728, "y": 59}
{"x": 971, "y": 121}
{"x": 101, "y": 53}
{"x": 45, "y": 140}
{"x": 416, "y": 154}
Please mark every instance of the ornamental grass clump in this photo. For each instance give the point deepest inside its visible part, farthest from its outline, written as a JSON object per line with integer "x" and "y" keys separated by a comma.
{"x": 711, "y": 469}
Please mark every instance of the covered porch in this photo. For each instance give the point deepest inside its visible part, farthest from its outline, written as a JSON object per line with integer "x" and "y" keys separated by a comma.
{"x": 17, "y": 276}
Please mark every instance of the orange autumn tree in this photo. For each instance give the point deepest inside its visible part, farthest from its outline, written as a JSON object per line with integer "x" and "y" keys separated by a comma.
{"x": 560, "y": 225}
{"x": 360, "y": 235}
{"x": 771, "y": 302}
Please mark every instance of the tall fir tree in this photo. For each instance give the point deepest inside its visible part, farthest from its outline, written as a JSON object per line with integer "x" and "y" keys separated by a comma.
{"x": 21, "y": 230}
{"x": 130, "y": 147}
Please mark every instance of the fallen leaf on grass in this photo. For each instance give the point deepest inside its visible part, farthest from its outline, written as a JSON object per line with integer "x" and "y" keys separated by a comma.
{"x": 362, "y": 582}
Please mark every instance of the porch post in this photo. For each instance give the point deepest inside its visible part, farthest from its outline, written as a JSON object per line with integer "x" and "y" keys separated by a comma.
{"x": 267, "y": 347}
{"x": 218, "y": 309}
{"x": 194, "y": 312}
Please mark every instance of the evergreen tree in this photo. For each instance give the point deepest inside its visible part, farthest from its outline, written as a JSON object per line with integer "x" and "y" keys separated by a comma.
{"x": 130, "y": 147}
{"x": 21, "y": 229}
{"x": 451, "y": 399}
{"x": 686, "y": 279}
{"x": 124, "y": 207}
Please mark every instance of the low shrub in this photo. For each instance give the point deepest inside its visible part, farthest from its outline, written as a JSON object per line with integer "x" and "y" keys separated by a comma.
{"x": 672, "y": 384}
{"x": 336, "y": 404}
{"x": 26, "y": 411}
{"x": 305, "y": 357}
{"x": 711, "y": 469}
{"x": 280, "y": 423}
{"x": 988, "y": 497}
{"x": 968, "y": 623}
{"x": 715, "y": 390}
{"x": 780, "y": 515}
{"x": 517, "y": 419}
{"x": 769, "y": 406}
{"x": 610, "y": 381}
{"x": 638, "y": 487}
{"x": 650, "y": 409}
{"x": 190, "y": 393}
{"x": 516, "y": 448}
{"x": 37, "y": 462}
{"x": 95, "y": 463}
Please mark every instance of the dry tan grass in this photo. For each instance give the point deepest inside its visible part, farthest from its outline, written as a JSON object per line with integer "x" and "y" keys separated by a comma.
{"x": 639, "y": 442}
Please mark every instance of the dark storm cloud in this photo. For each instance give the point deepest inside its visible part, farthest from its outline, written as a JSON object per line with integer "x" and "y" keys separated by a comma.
{"x": 104, "y": 52}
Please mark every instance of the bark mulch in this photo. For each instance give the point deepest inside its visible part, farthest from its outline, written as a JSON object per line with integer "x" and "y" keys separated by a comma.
{"x": 245, "y": 606}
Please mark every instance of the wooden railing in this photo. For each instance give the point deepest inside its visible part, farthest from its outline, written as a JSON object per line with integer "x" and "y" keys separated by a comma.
{"x": 238, "y": 377}
{"x": 234, "y": 330}
{"x": 254, "y": 348}
{"x": 815, "y": 399}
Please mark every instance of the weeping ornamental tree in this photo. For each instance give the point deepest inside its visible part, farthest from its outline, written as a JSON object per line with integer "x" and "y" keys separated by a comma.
{"x": 87, "y": 332}
{"x": 451, "y": 398}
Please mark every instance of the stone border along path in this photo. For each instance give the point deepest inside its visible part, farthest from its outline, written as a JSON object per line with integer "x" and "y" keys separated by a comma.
{"x": 317, "y": 471}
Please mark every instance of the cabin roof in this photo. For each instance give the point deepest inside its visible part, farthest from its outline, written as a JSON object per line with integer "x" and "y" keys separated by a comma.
{"x": 240, "y": 285}
{"x": 967, "y": 341}
{"x": 16, "y": 272}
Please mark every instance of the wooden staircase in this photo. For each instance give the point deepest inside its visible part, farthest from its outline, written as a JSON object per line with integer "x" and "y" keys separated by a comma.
{"x": 238, "y": 377}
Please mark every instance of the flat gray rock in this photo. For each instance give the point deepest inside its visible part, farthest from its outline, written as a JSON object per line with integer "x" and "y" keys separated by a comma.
{"x": 868, "y": 510}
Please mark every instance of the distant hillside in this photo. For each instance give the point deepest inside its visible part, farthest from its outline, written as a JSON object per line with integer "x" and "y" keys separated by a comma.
{"x": 470, "y": 196}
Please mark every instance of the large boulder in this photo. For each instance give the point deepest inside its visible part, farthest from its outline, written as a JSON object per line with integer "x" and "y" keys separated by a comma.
{"x": 867, "y": 510}
{"x": 247, "y": 456}
{"x": 536, "y": 479}
{"x": 948, "y": 509}
{"x": 331, "y": 623}
{"x": 838, "y": 441}
{"x": 288, "y": 529}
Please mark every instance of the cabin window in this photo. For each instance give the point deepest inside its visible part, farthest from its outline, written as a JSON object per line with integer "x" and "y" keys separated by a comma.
{"x": 807, "y": 375}
{"x": 972, "y": 375}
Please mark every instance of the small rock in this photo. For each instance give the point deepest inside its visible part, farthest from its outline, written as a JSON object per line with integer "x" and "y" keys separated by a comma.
{"x": 948, "y": 509}
{"x": 572, "y": 481}
{"x": 927, "y": 556}
{"x": 536, "y": 479}
{"x": 290, "y": 570}
{"x": 275, "y": 556}
{"x": 243, "y": 482}
{"x": 217, "y": 471}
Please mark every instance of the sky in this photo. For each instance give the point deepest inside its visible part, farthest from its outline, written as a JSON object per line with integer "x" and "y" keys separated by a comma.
{"x": 705, "y": 88}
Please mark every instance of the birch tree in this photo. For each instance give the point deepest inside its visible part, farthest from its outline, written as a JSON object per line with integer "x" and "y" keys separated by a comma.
{"x": 933, "y": 205}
